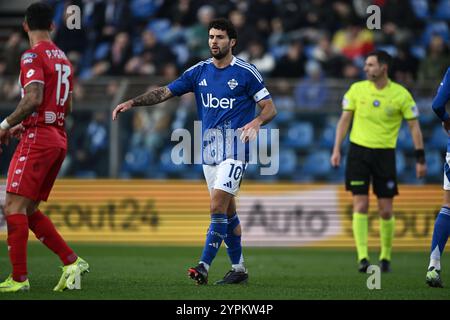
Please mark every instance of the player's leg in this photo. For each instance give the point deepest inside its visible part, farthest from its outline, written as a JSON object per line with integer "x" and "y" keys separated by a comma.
{"x": 17, "y": 223}
{"x": 238, "y": 273}
{"x": 360, "y": 226}
{"x": 385, "y": 187}
{"x": 357, "y": 180}
{"x": 441, "y": 233}
{"x": 387, "y": 230}
{"x": 74, "y": 266}
{"x": 45, "y": 231}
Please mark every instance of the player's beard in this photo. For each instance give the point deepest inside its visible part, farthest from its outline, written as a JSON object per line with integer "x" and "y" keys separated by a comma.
{"x": 221, "y": 54}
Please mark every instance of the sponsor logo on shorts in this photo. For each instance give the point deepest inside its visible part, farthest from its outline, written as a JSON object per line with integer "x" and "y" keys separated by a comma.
{"x": 14, "y": 184}
{"x": 228, "y": 184}
{"x": 357, "y": 183}
{"x": 390, "y": 184}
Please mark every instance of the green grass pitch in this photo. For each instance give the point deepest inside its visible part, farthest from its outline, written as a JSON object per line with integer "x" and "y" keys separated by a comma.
{"x": 150, "y": 272}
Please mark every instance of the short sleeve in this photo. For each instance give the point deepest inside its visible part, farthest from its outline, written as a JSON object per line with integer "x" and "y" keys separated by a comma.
{"x": 349, "y": 101}
{"x": 31, "y": 69}
{"x": 183, "y": 84}
{"x": 409, "y": 107}
{"x": 255, "y": 85}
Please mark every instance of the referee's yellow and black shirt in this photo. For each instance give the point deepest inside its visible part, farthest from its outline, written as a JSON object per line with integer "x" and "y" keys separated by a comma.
{"x": 378, "y": 114}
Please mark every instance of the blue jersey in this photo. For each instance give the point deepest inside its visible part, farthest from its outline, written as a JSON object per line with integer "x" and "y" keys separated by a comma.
{"x": 441, "y": 98}
{"x": 226, "y": 100}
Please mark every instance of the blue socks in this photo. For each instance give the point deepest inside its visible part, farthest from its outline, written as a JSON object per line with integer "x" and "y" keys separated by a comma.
{"x": 233, "y": 242}
{"x": 440, "y": 236}
{"x": 217, "y": 232}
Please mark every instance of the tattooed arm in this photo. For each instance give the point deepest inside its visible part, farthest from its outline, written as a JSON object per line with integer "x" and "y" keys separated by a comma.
{"x": 147, "y": 99}
{"x": 34, "y": 93}
{"x": 31, "y": 100}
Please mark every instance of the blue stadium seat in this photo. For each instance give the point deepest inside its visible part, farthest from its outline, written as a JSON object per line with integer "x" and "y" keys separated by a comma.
{"x": 160, "y": 27}
{"x": 418, "y": 51}
{"x": 288, "y": 162}
{"x": 420, "y": 8}
{"x": 435, "y": 28}
{"x": 326, "y": 139}
{"x": 317, "y": 163}
{"x": 404, "y": 141}
{"x": 102, "y": 50}
{"x": 438, "y": 139}
{"x": 299, "y": 135}
{"x": 435, "y": 164}
{"x": 166, "y": 163}
{"x": 400, "y": 162}
{"x": 442, "y": 11}
{"x": 137, "y": 162}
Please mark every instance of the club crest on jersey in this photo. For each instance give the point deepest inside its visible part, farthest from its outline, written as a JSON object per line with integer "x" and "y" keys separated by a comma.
{"x": 232, "y": 84}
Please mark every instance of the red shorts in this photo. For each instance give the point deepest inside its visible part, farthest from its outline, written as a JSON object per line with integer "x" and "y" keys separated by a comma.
{"x": 33, "y": 170}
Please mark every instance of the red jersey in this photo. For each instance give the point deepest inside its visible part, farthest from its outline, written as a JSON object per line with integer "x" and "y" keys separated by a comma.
{"x": 47, "y": 64}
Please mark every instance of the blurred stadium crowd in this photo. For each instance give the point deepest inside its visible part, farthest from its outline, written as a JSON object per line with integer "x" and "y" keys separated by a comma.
{"x": 308, "y": 51}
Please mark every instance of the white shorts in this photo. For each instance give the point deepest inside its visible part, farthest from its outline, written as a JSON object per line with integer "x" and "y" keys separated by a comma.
{"x": 226, "y": 176}
{"x": 447, "y": 172}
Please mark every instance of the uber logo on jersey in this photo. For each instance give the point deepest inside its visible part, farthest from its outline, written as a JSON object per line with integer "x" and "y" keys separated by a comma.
{"x": 30, "y": 73}
{"x": 213, "y": 102}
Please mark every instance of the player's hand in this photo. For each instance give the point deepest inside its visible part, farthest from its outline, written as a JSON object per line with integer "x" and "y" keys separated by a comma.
{"x": 17, "y": 131}
{"x": 421, "y": 170}
{"x": 250, "y": 130}
{"x": 446, "y": 126}
{"x": 4, "y": 138}
{"x": 122, "y": 108}
{"x": 335, "y": 159}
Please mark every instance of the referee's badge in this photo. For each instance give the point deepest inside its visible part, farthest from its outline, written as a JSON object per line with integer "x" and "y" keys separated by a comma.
{"x": 376, "y": 103}
{"x": 232, "y": 84}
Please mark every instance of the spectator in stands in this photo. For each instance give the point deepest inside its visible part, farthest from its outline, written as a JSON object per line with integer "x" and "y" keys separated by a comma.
{"x": 399, "y": 22}
{"x": 152, "y": 57}
{"x": 246, "y": 31}
{"x": 354, "y": 42}
{"x": 260, "y": 14}
{"x": 350, "y": 71}
{"x": 11, "y": 53}
{"x": 291, "y": 65}
{"x": 311, "y": 93}
{"x": 436, "y": 62}
{"x": 113, "y": 16}
{"x": 68, "y": 40}
{"x": 91, "y": 155}
{"x": 118, "y": 56}
{"x": 332, "y": 62}
{"x": 195, "y": 35}
{"x": 182, "y": 13}
{"x": 404, "y": 66}
{"x": 255, "y": 53}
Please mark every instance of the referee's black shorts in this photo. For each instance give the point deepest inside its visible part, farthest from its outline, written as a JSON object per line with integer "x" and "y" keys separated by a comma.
{"x": 365, "y": 165}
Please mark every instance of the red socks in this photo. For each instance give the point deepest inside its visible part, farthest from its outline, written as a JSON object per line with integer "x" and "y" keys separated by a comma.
{"x": 45, "y": 231}
{"x": 17, "y": 245}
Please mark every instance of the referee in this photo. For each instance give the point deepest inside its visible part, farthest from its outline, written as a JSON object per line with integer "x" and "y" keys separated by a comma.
{"x": 377, "y": 107}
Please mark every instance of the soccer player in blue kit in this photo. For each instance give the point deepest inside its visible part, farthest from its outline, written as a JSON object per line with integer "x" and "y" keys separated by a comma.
{"x": 442, "y": 223}
{"x": 227, "y": 90}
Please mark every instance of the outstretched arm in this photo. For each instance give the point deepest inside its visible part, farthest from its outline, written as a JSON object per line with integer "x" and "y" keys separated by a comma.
{"x": 149, "y": 98}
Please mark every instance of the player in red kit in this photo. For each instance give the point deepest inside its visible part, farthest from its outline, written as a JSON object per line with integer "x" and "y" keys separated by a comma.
{"x": 46, "y": 81}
